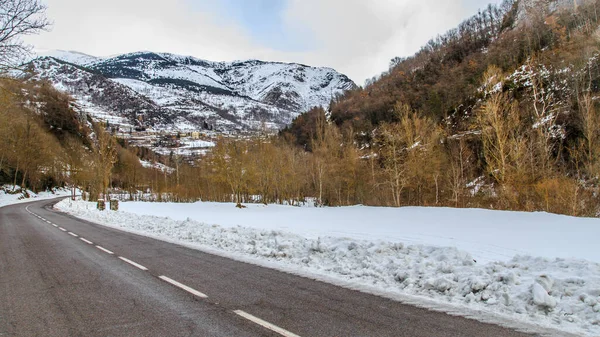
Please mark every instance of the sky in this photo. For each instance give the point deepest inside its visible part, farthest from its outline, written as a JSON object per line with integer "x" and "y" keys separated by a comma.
{"x": 355, "y": 37}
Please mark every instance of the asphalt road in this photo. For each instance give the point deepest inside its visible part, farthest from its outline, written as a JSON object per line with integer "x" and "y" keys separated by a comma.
{"x": 61, "y": 276}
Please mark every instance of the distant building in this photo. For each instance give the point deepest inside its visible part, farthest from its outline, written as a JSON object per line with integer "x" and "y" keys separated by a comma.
{"x": 195, "y": 135}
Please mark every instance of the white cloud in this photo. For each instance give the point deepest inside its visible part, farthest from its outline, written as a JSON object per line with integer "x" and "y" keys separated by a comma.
{"x": 115, "y": 26}
{"x": 356, "y": 37}
{"x": 360, "y": 37}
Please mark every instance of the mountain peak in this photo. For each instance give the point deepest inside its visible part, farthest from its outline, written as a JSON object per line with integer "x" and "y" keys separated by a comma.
{"x": 70, "y": 56}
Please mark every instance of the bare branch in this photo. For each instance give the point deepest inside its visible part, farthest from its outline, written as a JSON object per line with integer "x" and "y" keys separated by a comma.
{"x": 19, "y": 18}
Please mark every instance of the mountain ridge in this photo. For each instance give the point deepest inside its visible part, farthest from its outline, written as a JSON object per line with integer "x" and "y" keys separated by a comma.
{"x": 189, "y": 91}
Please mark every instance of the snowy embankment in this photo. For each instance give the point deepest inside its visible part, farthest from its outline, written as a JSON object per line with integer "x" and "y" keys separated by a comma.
{"x": 517, "y": 269}
{"x": 10, "y": 195}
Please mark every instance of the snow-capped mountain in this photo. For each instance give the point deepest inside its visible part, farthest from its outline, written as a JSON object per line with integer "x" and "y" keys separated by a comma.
{"x": 74, "y": 57}
{"x": 180, "y": 92}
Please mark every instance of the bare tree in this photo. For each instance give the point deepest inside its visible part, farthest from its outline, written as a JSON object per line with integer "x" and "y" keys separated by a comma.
{"x": 106, "y": 157}
{"x": 410, "y": 154}
{"x": 17, "y": 19}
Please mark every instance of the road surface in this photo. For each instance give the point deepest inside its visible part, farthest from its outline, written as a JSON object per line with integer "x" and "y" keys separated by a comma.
{"x": 61, "y": 276}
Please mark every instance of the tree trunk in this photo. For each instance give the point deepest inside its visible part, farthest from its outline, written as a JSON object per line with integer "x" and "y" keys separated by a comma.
{"x": 24, "y": 179}
{"x": 16, "y": 173}
{"x": 437, "y": 190}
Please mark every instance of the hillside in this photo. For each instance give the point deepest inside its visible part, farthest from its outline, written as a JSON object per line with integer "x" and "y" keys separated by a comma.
{"x": 500, "y": 112}
{"x": 173, "y": 92}
{"x": 43, "y": 136}
{"x": 444, "y": 79}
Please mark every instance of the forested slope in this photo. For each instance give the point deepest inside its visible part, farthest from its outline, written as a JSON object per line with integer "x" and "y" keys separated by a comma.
{"x": 500, "y": 112}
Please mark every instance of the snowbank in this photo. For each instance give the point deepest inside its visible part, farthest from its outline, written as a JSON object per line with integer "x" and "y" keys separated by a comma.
{"x": 561, "y": 293}
{"x": 487, "y": 235}
{"x": 13, "y": 195}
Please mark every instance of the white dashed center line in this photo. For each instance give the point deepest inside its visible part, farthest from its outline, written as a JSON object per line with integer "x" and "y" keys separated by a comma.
{"x": 105, "y": 250}
{"x": 137, "y": 265}
{"x": 190, "y": 290}
{"x": 183, "y": 286}
{"x": 265, "y": 324}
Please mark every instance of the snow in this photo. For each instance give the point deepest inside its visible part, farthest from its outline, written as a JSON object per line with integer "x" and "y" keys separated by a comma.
{"x": 160, "y": 68}
{"x": 476, "y": 185}
{"x": 228, "y": 95}
{"x": 203, "y": 104}
{"x": 73, "y": 57}
{"x": 486, "y": 235}
{"x": 10, "y": 195}
{"x": 194, "y": 144}
{"x": 159, "y": 166}
{"x": 541, "y": 297}
{"x": 522, "y": 270}
{"x": 75, "y": 78}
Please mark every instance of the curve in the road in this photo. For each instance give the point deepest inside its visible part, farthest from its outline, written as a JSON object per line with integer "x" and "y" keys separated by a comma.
{"x": 154, "y": 286}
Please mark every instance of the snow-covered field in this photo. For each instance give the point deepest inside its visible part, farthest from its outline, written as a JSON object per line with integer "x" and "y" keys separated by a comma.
{"x": 517, "y": 269}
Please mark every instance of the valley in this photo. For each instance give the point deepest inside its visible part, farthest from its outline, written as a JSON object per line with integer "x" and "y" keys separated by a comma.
{"x": 453, "y": 193}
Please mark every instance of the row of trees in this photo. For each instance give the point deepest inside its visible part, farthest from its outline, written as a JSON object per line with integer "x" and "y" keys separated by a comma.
{"x": 509, "y": 161}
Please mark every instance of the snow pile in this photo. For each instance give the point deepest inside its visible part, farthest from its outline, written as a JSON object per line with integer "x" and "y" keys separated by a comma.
{"x": 10, "y": 194}
{"x": 557, "y": 293}
{"x": 487, "y": 235}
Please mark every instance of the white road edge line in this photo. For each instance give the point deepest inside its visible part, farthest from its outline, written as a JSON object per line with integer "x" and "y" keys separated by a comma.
{"x": 55, "y": 225}
{"x": 105, "y": 250}
{"x": 62, "y": 229}
{"x": 50, "y": 222}
{"x": 133, "y": 263}
{"x": 86, "y": 241}
{"x": 183, "y": 286}
{"x": 73, "y": 234}
{"x": 265, "y": 324}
